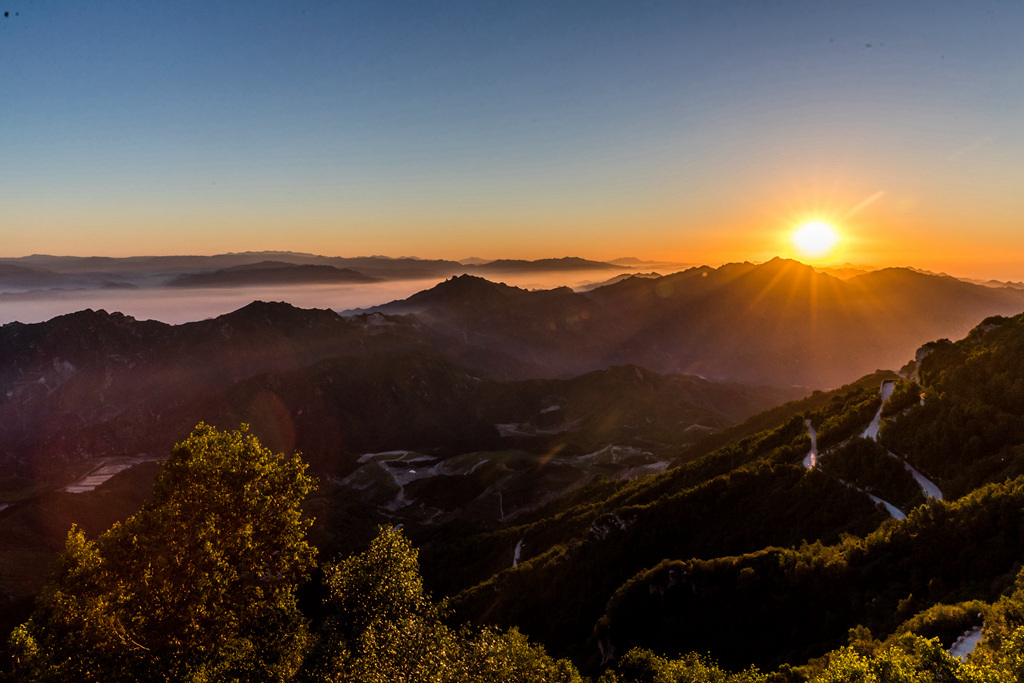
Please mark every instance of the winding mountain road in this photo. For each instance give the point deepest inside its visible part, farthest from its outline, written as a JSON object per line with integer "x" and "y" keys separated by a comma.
{"x": 928, "y": 488}
{"x": 811, "y": 459}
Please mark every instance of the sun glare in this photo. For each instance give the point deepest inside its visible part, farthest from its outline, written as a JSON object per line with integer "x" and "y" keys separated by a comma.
{"x": 815, "y": 239}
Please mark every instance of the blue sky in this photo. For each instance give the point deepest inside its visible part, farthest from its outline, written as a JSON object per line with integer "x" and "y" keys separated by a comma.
{"x": 700, "y": 130}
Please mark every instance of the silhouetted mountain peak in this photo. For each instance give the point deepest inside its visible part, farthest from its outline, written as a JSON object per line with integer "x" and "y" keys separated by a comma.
{"x": 463, "y": 289}
{"x": 466, "y": 281}
{"x": 80, "y": 338}
{"x": 905, "y": 275}
{"x": 546, "y": 264}
{"x": 278, "y": 314}
{"x": 782, "y": 261}
{"x": 264, "y": 308}
{"x": 923, "y": 289}
{"x": 85, "y": 315}
{"x": 89, "y": 322}
{"x": 786, "y": 265}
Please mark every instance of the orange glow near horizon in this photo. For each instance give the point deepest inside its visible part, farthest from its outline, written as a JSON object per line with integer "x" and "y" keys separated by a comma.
{"x": 873, "y": 234}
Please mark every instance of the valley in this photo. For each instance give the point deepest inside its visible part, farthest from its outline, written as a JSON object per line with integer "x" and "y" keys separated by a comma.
{"x": 596, "y": 507}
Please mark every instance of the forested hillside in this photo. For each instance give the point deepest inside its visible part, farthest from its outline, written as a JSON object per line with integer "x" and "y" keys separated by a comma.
{"x": 969, "y": 428}
{"x": 872, "y": 529}
{"x": 207, "y": 582}
{"x": 748, "y": 576}
{"x": 204, "y": 584}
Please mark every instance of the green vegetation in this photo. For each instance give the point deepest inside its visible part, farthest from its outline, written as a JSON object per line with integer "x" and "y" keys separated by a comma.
{"x": 557, "y": 596}
{"x": 947, "y": 622}
{"x": 381, "y": 626}
{"x": 621, "y": 541}
{"x": 970, "y": 430}
{"x": 908, "y": 659}
{"x": 817, "y": 404}
{"x": 202, "y": 585}
{"x": 905, "y": 394}
{"x": 869, "y": 466}
{"x": 737, "y": 566}
{"x": 780, "y": 438}
{"x": 902, "y": 658}
{"x": 788, "y": 604}
{"x": 749, "y": 493}
{"x": 643, "y": 666}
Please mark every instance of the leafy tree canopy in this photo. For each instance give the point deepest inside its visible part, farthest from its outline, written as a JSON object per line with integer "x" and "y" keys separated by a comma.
{"x": 199, "y": 584}
{"x": 383, "y": 627}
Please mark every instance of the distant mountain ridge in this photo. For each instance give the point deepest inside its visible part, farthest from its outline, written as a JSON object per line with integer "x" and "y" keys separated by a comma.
{"x": 548, "y": 264}
{"x": 271, "y": 272}
{"x": 779, "y": 322}
{"x": 55, "y": 272}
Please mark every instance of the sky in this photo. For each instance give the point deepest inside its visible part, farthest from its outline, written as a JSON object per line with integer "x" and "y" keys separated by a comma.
{"x": 702, "y": 132}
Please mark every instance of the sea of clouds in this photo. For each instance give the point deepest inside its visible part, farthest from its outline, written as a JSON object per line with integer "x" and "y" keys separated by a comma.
{"x": 177, "y": 305}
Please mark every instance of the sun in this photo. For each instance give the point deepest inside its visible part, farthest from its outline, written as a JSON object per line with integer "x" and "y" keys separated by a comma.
{"x": 815, "y": 239}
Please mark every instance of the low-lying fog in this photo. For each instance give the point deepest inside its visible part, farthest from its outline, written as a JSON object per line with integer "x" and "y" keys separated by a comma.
{"x": 176, "y": 305}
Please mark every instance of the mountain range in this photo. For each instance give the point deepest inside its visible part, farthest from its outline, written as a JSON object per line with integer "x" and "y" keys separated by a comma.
{"x": 779, "y": 323}
{"x": 644, "y": 464}
{"x": 93, "y": 384}
{"x": 270, "y": 272}
{"x": 43, "y": 272}
{"x": 752, "y": 554}
{"x": 83, "y": 385}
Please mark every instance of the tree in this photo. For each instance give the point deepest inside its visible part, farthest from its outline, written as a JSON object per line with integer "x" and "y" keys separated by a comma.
{"x": 382, "y": 584}
{"x": 198, "y": 585}
{"x": 643, "y": 666}
{"x": 383, "y": 628}
{"x": 907, "y": 658}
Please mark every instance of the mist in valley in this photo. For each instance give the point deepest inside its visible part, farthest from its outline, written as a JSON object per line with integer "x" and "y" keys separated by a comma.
{"x": 176, "y": 305}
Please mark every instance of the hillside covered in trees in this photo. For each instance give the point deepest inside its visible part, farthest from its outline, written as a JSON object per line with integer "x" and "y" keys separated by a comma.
{"x": 212, "y": 580}
{"x": 744, "y": 563}
{"x": 204, "y": 584}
